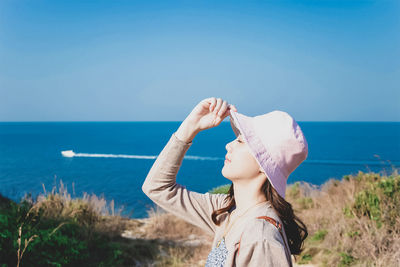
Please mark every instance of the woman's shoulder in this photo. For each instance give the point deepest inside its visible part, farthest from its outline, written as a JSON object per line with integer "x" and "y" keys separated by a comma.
{"x": 221, "y": 200}
{"x": 262, "y": 228}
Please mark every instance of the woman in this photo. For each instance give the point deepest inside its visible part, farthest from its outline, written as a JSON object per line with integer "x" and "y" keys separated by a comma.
{"x": 252, "y": 225}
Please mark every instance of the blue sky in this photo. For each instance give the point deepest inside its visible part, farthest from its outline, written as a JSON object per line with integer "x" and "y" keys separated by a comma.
{"x": 155, "y": 60}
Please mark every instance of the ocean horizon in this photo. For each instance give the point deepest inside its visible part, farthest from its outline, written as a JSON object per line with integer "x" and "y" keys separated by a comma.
{"x": 112, "y": 159}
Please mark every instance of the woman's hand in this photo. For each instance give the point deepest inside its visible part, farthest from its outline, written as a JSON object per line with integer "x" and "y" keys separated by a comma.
{"x": 210, "y": 112}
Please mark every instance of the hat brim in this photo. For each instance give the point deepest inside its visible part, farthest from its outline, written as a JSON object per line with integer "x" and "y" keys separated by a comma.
{"x": 235, "y": 123}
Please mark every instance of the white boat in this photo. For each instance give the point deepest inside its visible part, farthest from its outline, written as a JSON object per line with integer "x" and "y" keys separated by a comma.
{"x": 68, "y": 153}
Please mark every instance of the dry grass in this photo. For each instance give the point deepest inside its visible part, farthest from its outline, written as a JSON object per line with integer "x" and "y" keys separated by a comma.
{"x": 89, "y": 210}
{"x": 339, "y": 233}
{"x": 175, "y": 242}
{"x": 188, "y": 244}
{"x": 169, "y": 226}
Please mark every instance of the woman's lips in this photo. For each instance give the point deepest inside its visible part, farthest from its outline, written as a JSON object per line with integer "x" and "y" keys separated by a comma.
{"x": 227, "y": 160}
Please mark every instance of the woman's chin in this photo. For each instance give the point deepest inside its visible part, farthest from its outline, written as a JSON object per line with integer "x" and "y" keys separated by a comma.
{"x": 225, "y": 173}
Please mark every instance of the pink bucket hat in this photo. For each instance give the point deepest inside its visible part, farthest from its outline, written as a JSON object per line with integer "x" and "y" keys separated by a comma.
{"x": 276, "y": 141}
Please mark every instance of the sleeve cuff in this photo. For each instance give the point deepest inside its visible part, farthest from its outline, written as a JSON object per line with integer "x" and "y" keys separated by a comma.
{"x": 181, "y": 141}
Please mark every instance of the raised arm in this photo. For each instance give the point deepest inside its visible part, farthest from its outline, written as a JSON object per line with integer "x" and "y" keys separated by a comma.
{"x": 160, "y": 184}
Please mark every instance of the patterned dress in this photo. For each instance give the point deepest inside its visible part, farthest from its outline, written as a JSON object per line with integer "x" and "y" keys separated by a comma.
{"x": 217, "y": 256}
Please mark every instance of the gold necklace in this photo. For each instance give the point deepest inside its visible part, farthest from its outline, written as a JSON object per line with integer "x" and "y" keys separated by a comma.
{"x": 227, "y": 229}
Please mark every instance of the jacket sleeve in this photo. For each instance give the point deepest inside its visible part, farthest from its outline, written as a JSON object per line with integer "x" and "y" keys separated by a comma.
{"x": 262, "y": 254}
{"x": 161, "y": 187}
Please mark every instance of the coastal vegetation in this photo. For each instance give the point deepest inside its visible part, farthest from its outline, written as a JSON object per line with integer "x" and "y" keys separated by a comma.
{"x": 354, "y": 221}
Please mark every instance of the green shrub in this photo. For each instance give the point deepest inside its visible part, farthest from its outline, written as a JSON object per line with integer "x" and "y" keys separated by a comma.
{"x": 347, "y": 212}
{"x": 305, "y": 202}
{"x": 353, "y": 233}
{"x": 390, "y": 186}
{"x": 319, "y": 235}
{"x": 367, "y": 203}
{"x": 55, "y": 242}
{"x": 306, "y": 258}
{"x": 294, "y": 190}
{"x": 379, "y": 199}
{"x": 346, "y": 259}
{"x": 223, "y": 189}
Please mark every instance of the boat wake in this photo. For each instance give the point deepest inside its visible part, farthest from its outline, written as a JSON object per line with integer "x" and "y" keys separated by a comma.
{"x": 71, "y": 154}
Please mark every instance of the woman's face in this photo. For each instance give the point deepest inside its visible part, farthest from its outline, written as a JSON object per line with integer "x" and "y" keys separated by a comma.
{"x": 239, "y": 163}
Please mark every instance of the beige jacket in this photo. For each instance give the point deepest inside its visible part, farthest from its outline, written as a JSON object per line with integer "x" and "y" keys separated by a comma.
{"x": 261, "y": 243}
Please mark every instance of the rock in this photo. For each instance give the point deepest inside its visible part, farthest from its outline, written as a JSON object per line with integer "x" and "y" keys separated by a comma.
{"x": 130, "y": 234}
{"x": 193, "y": 243}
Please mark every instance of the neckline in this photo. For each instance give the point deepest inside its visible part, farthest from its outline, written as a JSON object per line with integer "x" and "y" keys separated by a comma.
{"x": 219, "y": 243}
{"x": 230, "y": 223}
{"x": 257, "y": 211}
{"x": 261, "y": 210}
{"x": 264, "y": 205}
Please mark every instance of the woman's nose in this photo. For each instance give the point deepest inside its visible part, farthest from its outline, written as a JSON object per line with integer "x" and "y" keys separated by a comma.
{"x": 228, "y": 147}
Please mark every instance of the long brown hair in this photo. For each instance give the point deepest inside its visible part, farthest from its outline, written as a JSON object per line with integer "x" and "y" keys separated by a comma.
{"x": 296, "y": 230}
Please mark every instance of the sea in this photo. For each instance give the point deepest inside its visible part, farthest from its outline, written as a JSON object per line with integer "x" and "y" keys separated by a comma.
{"x": 112, "y": 159}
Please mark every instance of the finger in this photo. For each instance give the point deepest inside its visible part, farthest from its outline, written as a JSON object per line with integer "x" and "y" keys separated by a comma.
{"x": 223, "y": 108}
{"x": 232, "y": 107}
{"x": 228, "y": 111}
{"x": 226, "y": 114}
{"x": 207, "y": 102}
{"x": 213, "y": 102}
{"x": 218, "y": 106}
